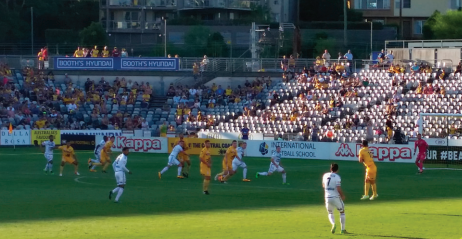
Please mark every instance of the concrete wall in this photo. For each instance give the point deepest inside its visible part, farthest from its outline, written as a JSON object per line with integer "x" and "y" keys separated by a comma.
{"x": 449, "y": 54}
{"x": 229, "y": 81}
{"x": 424, "y": 8}
{"x": 427, "y": 54}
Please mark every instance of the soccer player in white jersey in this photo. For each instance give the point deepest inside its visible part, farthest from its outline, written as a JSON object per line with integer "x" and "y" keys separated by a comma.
{"x": 275, "y": 166}
{"x": 173, "y": 160}
{"x": 119, "y": 171}
{"x": 334, "y": 196}
{"x": 48, "y": 153}
{"x": 239, "y": 163}
{"x": 97, "y": 152}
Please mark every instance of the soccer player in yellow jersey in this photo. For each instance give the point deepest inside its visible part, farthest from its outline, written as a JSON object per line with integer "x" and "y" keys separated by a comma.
{"x": 183, "y": 157}
{"x": 68, "y": 157}
{"x": 366, "y": 157}
{"x": 227, "y": 164}
{"x": 105, "y": 159}
{"x": 206, "y": 165}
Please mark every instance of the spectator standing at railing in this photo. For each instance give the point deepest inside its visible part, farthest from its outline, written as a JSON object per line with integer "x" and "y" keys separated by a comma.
{"x": 45, "y": 53}
{"x": 381, "y": 56}
{"x": 284, "y": 63}
{"x": 292, "y": 63}
{"x": 204, "y": 63}
{"x": 349, "y": 58}
{"x": 105, "y": 52}
{"x": 124, "y": 53}
{"x": 115, "y": 52}
{"x": 78, "y": 52}
{"x": 458, "y": 68}
{"x": 390, "y": 57}
{"x": 326, "y": 57}
{"x": 95, "y": 52}
{"x": 40, "y": 59}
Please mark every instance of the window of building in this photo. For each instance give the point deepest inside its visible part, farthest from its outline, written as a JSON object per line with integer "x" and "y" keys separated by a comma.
{"x": 231, "y": 15}
{"x": 406, "y": 4}
{"x": 454, "y": 4}
{"x": 418, "y": 26}
{"x": 372, "y": 4}
{"x": 276, "y": 2}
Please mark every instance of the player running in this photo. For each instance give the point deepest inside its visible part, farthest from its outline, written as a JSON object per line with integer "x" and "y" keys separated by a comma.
{"x": 68, "y": 157}
{"x": 366, "y": 157}
{"x": 97, "y": 152}
{"x": 173, "y": 160}
{"x": 183, "y": 157}
{"x": 105, "y": 153}
{"x": 119, "y": 172}
{"x": 423, "y": 146}
{"x": 239, "y": 163}
{"x": 275, "y": 165}
{"x": 48, "y": 153}
{"x": 227, "y": 163}
{"x": 206, "y": 167}
{"x": 334, "y": 197}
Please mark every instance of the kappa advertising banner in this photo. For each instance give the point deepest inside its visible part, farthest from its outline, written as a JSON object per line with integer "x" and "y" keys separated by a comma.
{"x": 18, "y": 137}
{"x": 138, "y": 144}
{"x": 228, "y": 135}
{"x": 44, "y": 135}
{"x": 117, "y": 63}
{"x": 289, "y": 149}
{"x": 330, "y": 151}
{"x": 401, "y": 153}
{"x": 217, "y": 146}
{"x": 92, "y": 132}
{"x": 79, "y": 142}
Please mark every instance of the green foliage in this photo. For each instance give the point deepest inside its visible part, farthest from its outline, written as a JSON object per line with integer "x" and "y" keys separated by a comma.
{"x": 61, "y": 36}
{"x": 448, "y": 26}
{"x": 216, "y": 46}
{"x": 427, "y": 27}
{"x": 322, "y": 44}
{"x": 93, "y": 35}
{"x": 196, "y": 40}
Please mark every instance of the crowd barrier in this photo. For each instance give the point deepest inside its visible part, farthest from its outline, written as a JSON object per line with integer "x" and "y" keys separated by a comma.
{"x": 116, "y": 63}
{"x": 86, "y": 140}
{"x": 228, "y": 135}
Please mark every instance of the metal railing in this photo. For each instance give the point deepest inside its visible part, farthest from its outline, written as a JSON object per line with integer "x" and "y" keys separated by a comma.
{"x": 240, "y": 4}
{"x": 447, "y": 43}
{"x": 141, "y": 3}
{"x": 213, "y": 65}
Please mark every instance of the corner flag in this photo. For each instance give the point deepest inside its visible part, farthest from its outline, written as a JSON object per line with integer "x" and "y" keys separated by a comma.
{"x": 10, "y": 129}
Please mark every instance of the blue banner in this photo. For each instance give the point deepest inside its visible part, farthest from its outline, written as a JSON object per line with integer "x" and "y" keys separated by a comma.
{"x": 148, "y": 64}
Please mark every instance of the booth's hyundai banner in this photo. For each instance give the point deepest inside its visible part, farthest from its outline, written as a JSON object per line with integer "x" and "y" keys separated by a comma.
{"x": 118, "y": 63}
{"x": 218, "y": 146}
{"x": 44, "y": 135}
{"x": 17, "y": 137}
{"x": 138, "y": 144}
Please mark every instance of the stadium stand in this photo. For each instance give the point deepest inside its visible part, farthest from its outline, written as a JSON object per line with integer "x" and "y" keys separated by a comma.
{"x": 299, "y": 106}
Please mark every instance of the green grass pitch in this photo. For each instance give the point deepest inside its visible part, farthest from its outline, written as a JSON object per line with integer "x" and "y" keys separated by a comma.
{"x": 35, "y": 205}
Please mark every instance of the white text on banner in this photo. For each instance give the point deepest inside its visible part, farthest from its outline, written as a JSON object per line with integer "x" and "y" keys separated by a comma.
{"x": 138, "y": 144}
{"x": 18, "y": 137}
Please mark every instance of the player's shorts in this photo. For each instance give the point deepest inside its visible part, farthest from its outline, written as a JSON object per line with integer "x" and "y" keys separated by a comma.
{"x": 334, "y": 203}
{"x": 237, "y": 163}
{"x": 371, "y": 173}
{"x": 104, "y": 158}
{"x": 273, "y": 169}
{"x": 183, "y": 158}
{"x": 120, "y": 178}
{"x": 49, "y": 157}
{"x": 205, "y": 171}
{"x": 173, "y": 161}
{"x": 421, "y": 156}
{"x": 68, "y": 160}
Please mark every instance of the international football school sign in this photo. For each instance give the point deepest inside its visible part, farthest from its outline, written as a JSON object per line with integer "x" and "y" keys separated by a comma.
{"x": 117, "y": 63}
